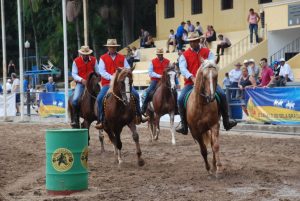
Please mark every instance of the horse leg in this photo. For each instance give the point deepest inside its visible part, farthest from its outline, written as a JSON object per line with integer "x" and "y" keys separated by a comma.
{"x": 151, "y": 123}
{"x": 118, "y": 145}
{"x": 156, "y": 128}
{"x": 135, "y": 137}
{"x": 86, "y": 124}
{"x": 216, "y": 148}
{"x": 172, "y": 128}
{"x": 101, "y": 139}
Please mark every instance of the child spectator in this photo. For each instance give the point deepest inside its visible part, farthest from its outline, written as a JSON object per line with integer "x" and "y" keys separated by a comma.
{"x": 171, "y": 41}
{"x": 50, "y": 85}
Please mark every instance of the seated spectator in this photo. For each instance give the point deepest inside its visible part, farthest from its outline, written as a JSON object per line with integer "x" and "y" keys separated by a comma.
{"x": 150, "y": 42}
{"x": 234, "y": 76}
{"x": 276, "y": 68}
{"x": 179, "y": 34}
{"x": 8, "y": 86}
{"x": 50, "y": 86}
{"x": 199, "y": 28}
{"x": 16, "y": 89}
{"x": 267, "y": 74}
{"x": 245, "y": 81}
{"x": 171, "y": 41}
{"x": 129, "y": 56}
{"x": 225, "y": 43}
{"x": 210, "y": 34}
{"x": 190, "y": 26}
{"x": 246, "y": 63}
{"x": 136, "y": 54}
{"x": 286, "y": 71}
{"x": 143, "y": 37}
{"x": 185, "y": 37}
{"x": 226, "y": 81}
{"x": 253, "y": 70}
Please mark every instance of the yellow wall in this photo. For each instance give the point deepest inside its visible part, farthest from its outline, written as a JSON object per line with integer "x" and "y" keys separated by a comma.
{"x": 295, "y": 61}
{"x": 223, "y": 21}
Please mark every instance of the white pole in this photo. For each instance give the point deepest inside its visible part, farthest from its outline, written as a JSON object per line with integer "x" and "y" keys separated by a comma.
{"x": 85, "y": 22}
{"x": 21, "y": 60}
{"x": 65, "y": 57}
{"x": 3, "y": 56}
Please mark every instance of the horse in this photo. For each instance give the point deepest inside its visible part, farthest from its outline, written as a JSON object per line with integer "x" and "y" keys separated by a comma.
{"x": 164, "y": 102}
{"x": 203, "y": 115}
{"x": 88, "y": 105}
{"x": 120, "y": 111}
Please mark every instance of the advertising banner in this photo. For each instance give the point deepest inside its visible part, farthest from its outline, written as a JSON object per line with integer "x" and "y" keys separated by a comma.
{"x": 52, "y": 104}
{"x": 10, "y": 105}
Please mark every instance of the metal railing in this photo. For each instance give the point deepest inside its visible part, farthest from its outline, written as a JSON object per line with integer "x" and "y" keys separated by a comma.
{"x": 293, "y": 46}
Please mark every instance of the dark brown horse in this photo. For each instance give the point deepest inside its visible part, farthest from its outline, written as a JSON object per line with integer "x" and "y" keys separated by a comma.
{"x": 120, "y": 110}
{"x": 203, "y": 115}
{"x": 164, "y": 101}
{"x": 88, "y": 105}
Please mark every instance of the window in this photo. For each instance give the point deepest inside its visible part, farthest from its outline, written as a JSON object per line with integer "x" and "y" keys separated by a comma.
{"x": 196, "y": 7}
{"x": 226, "y": 4}
{"x": 264, "y": 1}
{"x": 169, "y": 8}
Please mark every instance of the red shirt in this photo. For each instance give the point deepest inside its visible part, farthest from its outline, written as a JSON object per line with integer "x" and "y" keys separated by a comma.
{"x": 111, "y": 65}
{"x": 266, "y": 75}
{"x": 159, "y": 66}
{"x": 84, "y": 69}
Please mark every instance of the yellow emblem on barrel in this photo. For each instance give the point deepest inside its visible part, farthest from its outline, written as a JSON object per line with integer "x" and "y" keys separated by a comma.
{"x": 62, "y": 159}
{"x": 84, "y": 157}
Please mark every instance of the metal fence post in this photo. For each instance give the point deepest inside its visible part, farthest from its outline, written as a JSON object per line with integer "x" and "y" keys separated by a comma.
{"x": 28, "y": 102}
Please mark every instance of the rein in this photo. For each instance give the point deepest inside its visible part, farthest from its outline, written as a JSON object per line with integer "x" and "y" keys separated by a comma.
{"x": 118, "y": 98}
{"x": 91, "y": 95}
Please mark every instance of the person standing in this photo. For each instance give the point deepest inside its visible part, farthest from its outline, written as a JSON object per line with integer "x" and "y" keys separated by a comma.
{"x": 16, "y": 90}
{"x": 179, "y": 34}
{"x": 82, "y": 66}
{"x": 253, "y": 19}
{"x": 267, "y": 74}
{"x": 107, "y": 66}
{"x": 50, "y": 85}
{"x": 189, "y": 63}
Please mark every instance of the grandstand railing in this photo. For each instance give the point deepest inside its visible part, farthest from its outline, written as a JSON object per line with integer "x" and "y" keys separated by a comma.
{"x": 292, "y": 47}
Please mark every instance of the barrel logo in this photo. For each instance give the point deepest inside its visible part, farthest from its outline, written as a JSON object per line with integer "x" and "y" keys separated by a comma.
{"x": 62, "y": 160}
{"x": 84, "y": 157}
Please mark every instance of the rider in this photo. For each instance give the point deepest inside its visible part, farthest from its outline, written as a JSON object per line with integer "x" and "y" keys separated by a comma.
{"x": 108, "y": 64}
{"x": 189, "y": 63}
{"x": 156, "y": 69}
{"x": 81, "y": 68}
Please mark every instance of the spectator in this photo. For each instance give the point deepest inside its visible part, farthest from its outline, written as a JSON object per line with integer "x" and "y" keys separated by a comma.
{"x": 11, "y": 68}
{"x": 136, "y": 54}
{"x": 234, "y": 76}
{"x": 190, "y": 26}
{"x": 210, "y": 34}
{"x": 143, "y": 37}
{"x": 286, "y": 71}
{"x": 246, "y": 63}
{"x": 276, "y": 68}
{"x": 253, "y": 70}
{"x": 225, "y": 43}
{"x": 267, "y": 74}
{"x": 150, "y": 42}
{"x": 199, "y": 28}
{"x": 171, "y": 41}
{"x": 185, "y": 37}
{"x": 226, "y": 81}
{"x": 26, "y": 84}
{"x": 16, "y": 89}
{"x": 253, "y": 19}
{"x": 129, "y": 56}
{"x": 8, "y": 86}
{"x": 179, "y": 34}
{"x": 50, "y": 85}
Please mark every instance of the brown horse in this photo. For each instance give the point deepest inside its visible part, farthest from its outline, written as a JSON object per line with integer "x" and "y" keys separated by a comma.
{"x": 88, "y": 105}
{"x": 203, "y": 115}
{"x": 120, "y": 110}
{"x": 164, "y": 101}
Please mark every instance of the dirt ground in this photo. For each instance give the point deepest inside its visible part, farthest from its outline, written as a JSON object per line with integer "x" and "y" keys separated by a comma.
{"x": 257, "y": 167}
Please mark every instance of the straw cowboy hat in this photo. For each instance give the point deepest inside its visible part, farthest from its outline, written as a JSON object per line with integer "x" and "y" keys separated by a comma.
{"x": 159, "y": 51}
{"x": 251, "y": 61}
{"x": 282, "y": 59}
{"x": 245, "y": 61}
{"x": 194, "y": 36}
{"x": 85, "y": 50}
{"x": 238, "y": 64}
{"x": 112, "y": 43}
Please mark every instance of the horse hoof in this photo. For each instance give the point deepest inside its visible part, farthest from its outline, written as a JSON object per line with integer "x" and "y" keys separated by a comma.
{"x": 219, "y": 175}
{"x": 141, "y": 162}
{"x": 173, "y": 142}
{"x": 120, "y": 162}
{"x": 102, "y": 151}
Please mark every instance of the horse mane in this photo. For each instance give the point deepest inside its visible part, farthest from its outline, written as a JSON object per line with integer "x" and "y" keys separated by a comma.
{"x": 90, "y": 76}
{"x": 115, "y": 77}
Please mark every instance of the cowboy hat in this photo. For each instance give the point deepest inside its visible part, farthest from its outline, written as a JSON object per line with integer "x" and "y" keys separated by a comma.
{"x": 282, "y": 59}
{"x": 111, "y": 43}
{"x": 245, "y": 61}
{"x": 251, "y": 61}
{"x": 193, "y": 36}
{"x": 238, "y": 64}
{"x": 85, "y": 50}
{"x": 159, "y": 51}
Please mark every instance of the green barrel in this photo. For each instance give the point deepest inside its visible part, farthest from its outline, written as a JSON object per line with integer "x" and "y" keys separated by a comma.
{"x": 66, "y": 161}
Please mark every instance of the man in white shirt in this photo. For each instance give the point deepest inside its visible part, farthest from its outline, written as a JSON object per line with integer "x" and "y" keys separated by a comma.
{"x": 286, "y": 71}
{"x": 234, "y": 76}
{"x": 171, "y": 41}
{"x": 8, "y": 86}
{"x": 225, "y": 43}
{"x": 16, "y": 89}
{"x": 136, "y": 54}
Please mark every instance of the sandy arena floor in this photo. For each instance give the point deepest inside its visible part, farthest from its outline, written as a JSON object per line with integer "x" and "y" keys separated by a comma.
{"x": 257, "y": 167}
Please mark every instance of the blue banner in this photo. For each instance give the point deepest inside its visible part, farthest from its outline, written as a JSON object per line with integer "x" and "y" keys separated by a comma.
{"x": 274, "y": 105}
{"x": 52, "y": 104}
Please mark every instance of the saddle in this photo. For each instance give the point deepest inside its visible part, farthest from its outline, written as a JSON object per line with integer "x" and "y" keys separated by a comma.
{"x": 186, "y": 98}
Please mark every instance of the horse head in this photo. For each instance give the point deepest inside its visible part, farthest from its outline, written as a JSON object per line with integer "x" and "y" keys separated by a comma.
{"x": 93, "y": 83}
{"x": 123, "y": 83}
{"x": 207, "y": 81}
{"x": 169, "y": 77}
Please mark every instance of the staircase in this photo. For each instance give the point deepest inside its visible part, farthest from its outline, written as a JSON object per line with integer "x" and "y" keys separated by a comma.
{"x": 287, "y": 52}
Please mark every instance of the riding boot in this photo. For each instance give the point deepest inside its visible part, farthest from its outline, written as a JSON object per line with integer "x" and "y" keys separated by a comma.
{"x": 145, "y": 105}
{"x": 183, "y": 129}
{"x": 100, "y": 124}
{"x": 139, "y": 117}
{"x": 227, "y": 122}
{"x": 75, "y": 119}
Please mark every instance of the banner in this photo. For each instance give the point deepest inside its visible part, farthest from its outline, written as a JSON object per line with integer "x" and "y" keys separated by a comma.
{"x": 10, "y": 105}
{"x": 274, "y": 105}
{"x": 52, "y": 104}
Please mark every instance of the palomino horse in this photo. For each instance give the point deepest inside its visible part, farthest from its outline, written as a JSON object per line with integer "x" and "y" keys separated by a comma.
{"x": 88, "y": 105}
{"x": 203, "y": 115}
{"x": 120, "y": 110}
{"x": 164, "y": 102}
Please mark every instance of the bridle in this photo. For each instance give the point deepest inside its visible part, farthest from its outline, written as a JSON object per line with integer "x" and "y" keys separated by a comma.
{"x": 209, "y": 98}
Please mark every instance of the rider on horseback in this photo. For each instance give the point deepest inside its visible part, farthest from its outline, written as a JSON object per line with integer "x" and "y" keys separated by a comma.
{"x": 156, "y": 69}
{"x": 108, "y": 64}
{"x": 81, "y": 68}
{"x": 189, "y": 63}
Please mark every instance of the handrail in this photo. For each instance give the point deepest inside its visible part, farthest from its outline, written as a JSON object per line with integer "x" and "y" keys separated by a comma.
{"x": 293, "y": 46}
